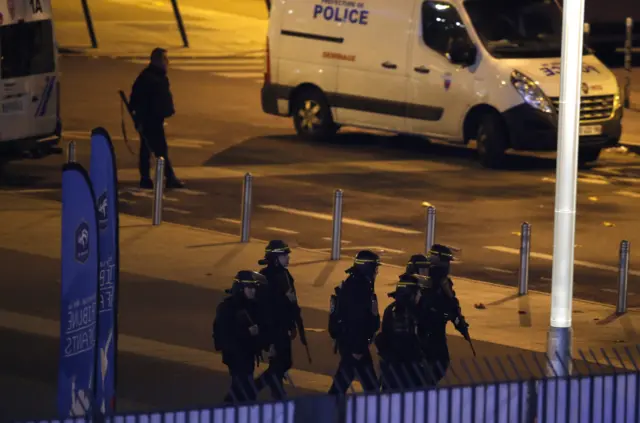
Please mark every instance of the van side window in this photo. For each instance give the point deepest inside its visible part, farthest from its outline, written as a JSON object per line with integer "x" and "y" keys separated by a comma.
{"x": 441, "y": 24}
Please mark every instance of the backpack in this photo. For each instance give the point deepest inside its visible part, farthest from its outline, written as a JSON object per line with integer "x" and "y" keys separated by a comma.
{"x": 217, "y": 342}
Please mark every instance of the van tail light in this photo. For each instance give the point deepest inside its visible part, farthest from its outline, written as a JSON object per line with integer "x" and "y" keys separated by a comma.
{"x": 267, "y": 62}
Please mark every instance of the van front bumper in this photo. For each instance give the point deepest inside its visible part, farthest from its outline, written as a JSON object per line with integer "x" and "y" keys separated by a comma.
{"x": 533, "y": 130}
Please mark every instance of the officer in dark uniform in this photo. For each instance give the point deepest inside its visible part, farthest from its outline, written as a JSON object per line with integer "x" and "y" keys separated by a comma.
{"x": 418, "y": 264}
{"x": 439, "y": 305}
{"x": 151, "y": 103}
{"x": 279, "y": 296}
{"x": 354, "y": 320}
{"x": 398, "y": 342}
{"x": 240, "y": 332}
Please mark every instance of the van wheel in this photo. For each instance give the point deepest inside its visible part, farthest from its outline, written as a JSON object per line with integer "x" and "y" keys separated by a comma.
{"x": 492, "y": 140}
{"x": 312, "y": 116}
{"x": 588, "y": 155}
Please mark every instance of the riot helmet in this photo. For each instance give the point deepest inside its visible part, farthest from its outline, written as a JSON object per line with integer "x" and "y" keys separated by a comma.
{"x": 408, "y": 288}
{"x": 440, "y": 258}
{"x": 366, "y": 263}
{"x": 418, "y": 264}
{"x": 246, "y": 279}
{"x": 276, "y": 253}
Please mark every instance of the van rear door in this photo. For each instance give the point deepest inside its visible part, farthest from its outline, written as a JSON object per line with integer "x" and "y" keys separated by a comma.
{"x": 28, "y": 80}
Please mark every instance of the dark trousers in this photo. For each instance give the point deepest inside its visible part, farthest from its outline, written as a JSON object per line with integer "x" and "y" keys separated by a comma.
{"x": 273, "y": 377}
{"x": 399, "y": 375}
{"x": 242, "y": 387}
{"x": 153, "y": 134}
{"x": 350, "y": 368}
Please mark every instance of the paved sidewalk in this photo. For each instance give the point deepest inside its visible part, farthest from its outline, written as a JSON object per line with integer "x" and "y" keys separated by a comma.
{"x": 190, "y": 255}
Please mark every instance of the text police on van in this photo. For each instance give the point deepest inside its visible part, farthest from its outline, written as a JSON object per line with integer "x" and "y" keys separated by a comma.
{"x": 341, "y": 11}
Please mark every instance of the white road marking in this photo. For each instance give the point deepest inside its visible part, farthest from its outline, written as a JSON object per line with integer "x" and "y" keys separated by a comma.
{"x": 629, "y": 194}
{"x": 145, "y": 194}
{"x": 190, "y": 192}
{"x": 609, "y": 290}
{"x": 495, "y": 269}
{"x": 125, "y": 201}
{"x": 317, "y": 330}
{"x": 373, "y": 248}
{"x": 326, "y": 238}
{"x": 179, "y": 211}
{"x": 30, "y": 191}
{"x": 174, "y": 142}
{"x": 323, "y": 216}
{"x": 284, "y": 231}
{"x": 587, "y": 264}
{"x": 580, "y": 179}
{"x": 227, "y": 220}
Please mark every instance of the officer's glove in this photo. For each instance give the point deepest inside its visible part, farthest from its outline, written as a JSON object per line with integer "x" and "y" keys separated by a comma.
{"x": 461, "y": 325}
{"x": 292, "y": 296}
{"x": 272, "y": 351}
{"x": 253, "y": 330}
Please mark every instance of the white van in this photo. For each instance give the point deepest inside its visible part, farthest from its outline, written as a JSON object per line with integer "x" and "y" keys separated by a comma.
{"x": 452, "y": 70}
{"x": 30, "y": 123}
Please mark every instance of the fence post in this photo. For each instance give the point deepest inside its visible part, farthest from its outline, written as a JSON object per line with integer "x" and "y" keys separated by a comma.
{"x": 183, "y": 32}
{"x": 158, "y": 192}
{"x": 71, "y": 152}
{"x": 431, "y": 229}
{"x": 336, "y": 238}
{"x": 89, "y": 21}
{"x": 623, "y": 277}
{"x": 525, "y": 252}
{"x": 247, "y": 189}
{"x": 628, "y": 46}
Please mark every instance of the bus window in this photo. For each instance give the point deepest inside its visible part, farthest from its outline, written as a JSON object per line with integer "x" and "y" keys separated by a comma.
{"x": 26, "y": 49}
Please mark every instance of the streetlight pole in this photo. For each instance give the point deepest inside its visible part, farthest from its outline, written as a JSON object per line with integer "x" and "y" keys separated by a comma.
{"x": 560, "y": 333}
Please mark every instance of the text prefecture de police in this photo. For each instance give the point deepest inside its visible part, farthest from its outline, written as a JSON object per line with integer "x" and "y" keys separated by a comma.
{"x": 341, "y": 11}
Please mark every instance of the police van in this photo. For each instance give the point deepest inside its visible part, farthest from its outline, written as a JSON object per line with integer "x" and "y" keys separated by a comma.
{"x": 30, "y": 123}
{"x": 452, "y": 70}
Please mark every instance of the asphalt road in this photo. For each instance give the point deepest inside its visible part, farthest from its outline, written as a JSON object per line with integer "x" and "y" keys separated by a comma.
{"x": 220, "y": 128}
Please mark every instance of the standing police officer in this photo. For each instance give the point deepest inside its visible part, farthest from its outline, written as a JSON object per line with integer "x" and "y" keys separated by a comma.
{"x": 353, "y": 322}
{"x": 279, "y": 296}
{"x": 398, "y": 342}
{"x": 151, "y": 103}
{"x": 439, "y": 306}
{"x": 240, "y": 332}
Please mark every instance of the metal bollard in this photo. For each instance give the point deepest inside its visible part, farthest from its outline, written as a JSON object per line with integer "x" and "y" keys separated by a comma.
{"x": 525, "y": 253}
{"x": 247, "y": 189}
{"x": 71, "y": 152}
{"x": 89, "y": 22}
{"x": 158, "y": 192}
{"x": 628, "y": 46}
{"x": 183, "y": 32}
{"x": 336, "y": 239}
{"x": 623, "y": 277}
{"x": 431, "y": 229}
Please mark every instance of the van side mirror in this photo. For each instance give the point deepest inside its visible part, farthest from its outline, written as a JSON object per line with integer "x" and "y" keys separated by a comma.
{"x": 462, "y": 52}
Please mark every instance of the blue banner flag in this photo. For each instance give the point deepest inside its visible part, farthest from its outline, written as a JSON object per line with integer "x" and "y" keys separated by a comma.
{"x": 104, "y": 177}
{"x": 78, "y": 308}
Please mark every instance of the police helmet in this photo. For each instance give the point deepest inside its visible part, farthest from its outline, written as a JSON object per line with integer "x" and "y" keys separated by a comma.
{"x": 440, "y": 253}
{"x": 407, "y": 286}
{"x": 274, "y": 248}
{"x": 417, "y": 262}
{"x": 246, "y": 279}
{"x": 366, "y": 261}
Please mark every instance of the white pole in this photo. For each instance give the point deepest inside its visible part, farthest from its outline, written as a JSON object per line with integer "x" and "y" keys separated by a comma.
{"x": 559, "y": 340}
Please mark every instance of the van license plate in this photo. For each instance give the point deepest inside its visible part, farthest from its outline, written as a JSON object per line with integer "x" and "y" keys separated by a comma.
{"x": 12, "y": 107}
{"x": 590, "y": 130}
